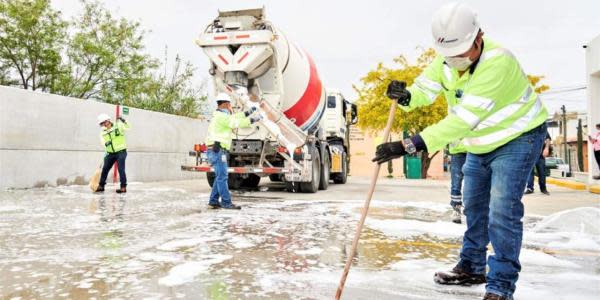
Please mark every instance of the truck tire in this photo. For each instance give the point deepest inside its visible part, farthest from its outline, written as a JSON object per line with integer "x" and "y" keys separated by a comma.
{"x": 325, "y": 172}
{"x": 341, "y": 178}
{"x": 252, "y": 181}
{"x": 313, "y": 185}
{"x": 235, "y": 181}
{"x": 210, "y": 177}
{"x": 275, "y": 177}
{"x": 292, "y": 187}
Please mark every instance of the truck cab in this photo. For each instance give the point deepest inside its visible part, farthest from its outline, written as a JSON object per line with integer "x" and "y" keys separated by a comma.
{"x": 339, "y": 115}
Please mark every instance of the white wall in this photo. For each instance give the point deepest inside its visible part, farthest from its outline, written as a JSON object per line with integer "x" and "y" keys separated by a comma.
{"x": 593, "y": 82}
{"x": 51, "y": 140}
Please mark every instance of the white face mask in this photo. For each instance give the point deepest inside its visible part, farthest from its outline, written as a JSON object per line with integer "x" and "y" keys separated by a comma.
{"x": 459, "y": 63}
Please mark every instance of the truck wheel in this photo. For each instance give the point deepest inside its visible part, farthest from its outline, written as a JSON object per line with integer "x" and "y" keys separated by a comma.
{"x": 341, "y": 178}
{"x": 325, "y": 173}
{"x": 313, "y": 185}
{"x": 210, "y": 177}
{"x": 235, "y": 181}
{"x": 292, "y": 187}
{"x": 252, "y": 181}
{"x": 275, "y": 177}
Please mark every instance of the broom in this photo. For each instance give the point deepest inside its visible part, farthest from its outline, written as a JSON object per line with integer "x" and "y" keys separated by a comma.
{"x": 95, "y": 179}
{"x": 365, "y": 209}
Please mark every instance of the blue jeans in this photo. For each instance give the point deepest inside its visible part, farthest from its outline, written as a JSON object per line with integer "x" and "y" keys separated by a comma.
{"x": 456, "y": 178}
{"x": 109, "y": 161}
{"x": 540, "y": 167}
{"x": 494, "y": 186}
{"x": 220, "y": 188}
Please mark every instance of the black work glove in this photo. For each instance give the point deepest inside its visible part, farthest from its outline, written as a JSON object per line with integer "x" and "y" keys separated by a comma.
{"x": 396, "y": 90}
{"x": 250, "y": 111}
{"x": 122, "y": 120}
{"x": 216, "y": 147}
{"x": 388, "y": 151}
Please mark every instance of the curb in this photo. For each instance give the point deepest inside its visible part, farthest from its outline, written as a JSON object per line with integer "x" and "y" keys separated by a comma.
{"x": 595, "y": 189}
{"x": 567, "y": 183}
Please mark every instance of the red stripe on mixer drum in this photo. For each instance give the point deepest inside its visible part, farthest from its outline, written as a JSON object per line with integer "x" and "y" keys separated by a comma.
{"x": 308, "y": 103}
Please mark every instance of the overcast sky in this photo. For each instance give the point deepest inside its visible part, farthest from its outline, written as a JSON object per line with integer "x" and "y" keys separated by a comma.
{"x": 348, "y": 38}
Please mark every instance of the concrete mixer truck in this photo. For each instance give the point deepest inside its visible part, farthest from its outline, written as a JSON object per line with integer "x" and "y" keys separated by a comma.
{"x": 303, "y": 137}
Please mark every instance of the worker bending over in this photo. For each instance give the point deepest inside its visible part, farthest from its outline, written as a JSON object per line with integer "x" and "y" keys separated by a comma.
{"x": 501, "y": 122}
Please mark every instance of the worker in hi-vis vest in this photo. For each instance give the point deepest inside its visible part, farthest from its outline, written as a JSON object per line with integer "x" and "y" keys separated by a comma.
{"x": 112, "y": 137}
{"x": 218, "y": 140}
{"x": 458, "y": 156}
{"x": 501, "y": 122}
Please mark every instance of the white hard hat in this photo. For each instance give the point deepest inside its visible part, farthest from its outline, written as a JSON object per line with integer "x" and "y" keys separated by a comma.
{"x": 102, "y": 118}
{"x": 454, "y": 27}
{"x": 223, "y": 97}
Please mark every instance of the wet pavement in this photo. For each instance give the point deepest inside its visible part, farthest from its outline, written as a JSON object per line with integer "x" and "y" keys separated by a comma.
{"x": 160, "y": 241}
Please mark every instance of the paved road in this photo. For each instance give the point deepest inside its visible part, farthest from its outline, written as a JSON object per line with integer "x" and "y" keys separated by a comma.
{"x": 159, "y": 241}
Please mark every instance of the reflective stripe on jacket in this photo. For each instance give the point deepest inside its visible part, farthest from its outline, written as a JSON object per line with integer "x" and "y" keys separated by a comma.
{"x": 114, "y": 138}
{"x": 221, "y": 125}
{"x": 489, "y": 108}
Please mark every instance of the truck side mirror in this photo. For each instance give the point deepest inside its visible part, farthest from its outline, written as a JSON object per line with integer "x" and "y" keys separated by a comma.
{"x": 354, "y": 115}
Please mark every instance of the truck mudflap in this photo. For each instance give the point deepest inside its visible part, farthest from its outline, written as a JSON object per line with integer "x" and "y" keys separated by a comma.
{"x": 237, "y": 170}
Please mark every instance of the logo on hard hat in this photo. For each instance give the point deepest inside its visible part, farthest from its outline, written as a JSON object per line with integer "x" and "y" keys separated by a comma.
{"x": 443, "y": 40}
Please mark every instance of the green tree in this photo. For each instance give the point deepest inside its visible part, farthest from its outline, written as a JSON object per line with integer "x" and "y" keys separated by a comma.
{"x": 174, "y": 93}
{"x": 32, "y": 35}
{"x": 373, "y": 105}
{"x": 95, "y": 56}
{"x": 105, "y": 57}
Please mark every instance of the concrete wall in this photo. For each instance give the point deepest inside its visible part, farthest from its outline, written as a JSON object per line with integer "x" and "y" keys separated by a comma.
{"x": 52, "y": 140}
{"x": 593, "y": 104}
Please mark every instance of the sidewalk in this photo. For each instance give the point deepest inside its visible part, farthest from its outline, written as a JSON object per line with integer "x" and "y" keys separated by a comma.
{"x": 572, "y": 183}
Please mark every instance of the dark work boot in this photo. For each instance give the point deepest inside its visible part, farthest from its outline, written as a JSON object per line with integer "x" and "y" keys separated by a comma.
{"x": 232, "y": 206}
{"x": 458, "y": 277}
{"x": 214, "y": 206}
{"x": 457, "y": 214}
{"x": 545, "y": 192}
{"x": 100, "y": 189}
{"x": 490, "y": 296}
{"x": 122, "y": 190}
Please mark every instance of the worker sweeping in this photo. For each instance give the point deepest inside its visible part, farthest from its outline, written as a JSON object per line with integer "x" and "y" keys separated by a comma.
{"x": 501, "y": 122}
{"x": 113, "y": 140}
{"x": 220, "y": 134}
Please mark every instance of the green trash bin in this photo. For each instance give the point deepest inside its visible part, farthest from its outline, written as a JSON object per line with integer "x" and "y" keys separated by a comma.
{"x": 413, "y": 166}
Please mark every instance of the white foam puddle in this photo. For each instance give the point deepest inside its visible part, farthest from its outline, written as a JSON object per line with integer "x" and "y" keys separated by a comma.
{"x": 426, "y": 205}
{"x": 11, "y": 208}
{"x": 401, "y": 228}
{"x": 311, "y": 251}
{"x": 188, "y": 271}
{"x": 159, "y": 257}
{"x": 537, "y": 258}
{"x": 186, "y": 243}
{"x": 574, "y": 229}
{"x": 240, "y": 242}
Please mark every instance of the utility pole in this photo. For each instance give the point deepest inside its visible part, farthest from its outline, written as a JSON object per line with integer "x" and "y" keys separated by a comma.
{"x": 580, "y": 146}
{"x": 564, "y": 124}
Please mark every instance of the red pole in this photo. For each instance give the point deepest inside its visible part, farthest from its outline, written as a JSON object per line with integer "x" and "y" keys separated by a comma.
{"x": 116, "y": 165}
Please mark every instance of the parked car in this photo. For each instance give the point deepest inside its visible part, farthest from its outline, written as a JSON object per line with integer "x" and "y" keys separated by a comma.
{"x": 556, "y": 163}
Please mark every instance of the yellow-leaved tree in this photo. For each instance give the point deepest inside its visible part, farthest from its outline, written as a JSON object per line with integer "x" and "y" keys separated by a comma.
{"x": 536, "y": 82}
{"x": 374, "y": 106}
